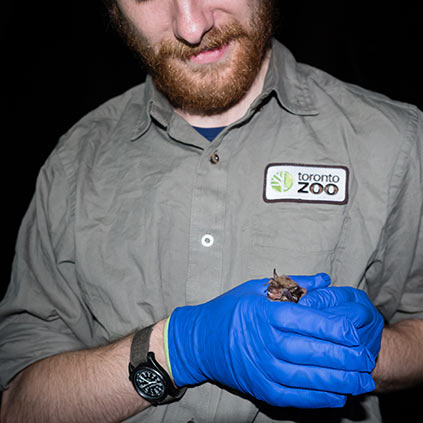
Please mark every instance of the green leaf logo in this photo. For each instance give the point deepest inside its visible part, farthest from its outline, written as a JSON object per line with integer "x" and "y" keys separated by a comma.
{"x": 282, "y": 181}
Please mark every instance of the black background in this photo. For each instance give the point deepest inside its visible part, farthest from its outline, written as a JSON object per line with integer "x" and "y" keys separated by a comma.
{"x": 60, "y": 60}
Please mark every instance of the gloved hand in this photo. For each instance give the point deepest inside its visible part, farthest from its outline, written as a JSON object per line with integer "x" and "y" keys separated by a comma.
{"x": 355, "y": 305}
{"x": 283, "y": 353}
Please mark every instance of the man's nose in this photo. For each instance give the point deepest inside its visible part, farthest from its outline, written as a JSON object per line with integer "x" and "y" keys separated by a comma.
{"x": 191, "y": 20}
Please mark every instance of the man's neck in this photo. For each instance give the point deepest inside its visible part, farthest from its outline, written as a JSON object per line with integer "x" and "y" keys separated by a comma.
{"x": 235, "y": 112}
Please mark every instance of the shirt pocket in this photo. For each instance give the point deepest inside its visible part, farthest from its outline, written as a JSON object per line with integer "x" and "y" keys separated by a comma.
{"x": 297, "y": 241}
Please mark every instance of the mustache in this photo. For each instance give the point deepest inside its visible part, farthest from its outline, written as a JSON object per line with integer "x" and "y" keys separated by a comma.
{"x": 214, "y": 39}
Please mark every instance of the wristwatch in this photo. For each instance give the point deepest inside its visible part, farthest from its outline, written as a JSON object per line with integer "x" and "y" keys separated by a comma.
{"x": 150, "y": 380}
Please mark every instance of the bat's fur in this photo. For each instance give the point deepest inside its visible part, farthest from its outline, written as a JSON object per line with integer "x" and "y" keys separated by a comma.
{"x": 283, "y": 288}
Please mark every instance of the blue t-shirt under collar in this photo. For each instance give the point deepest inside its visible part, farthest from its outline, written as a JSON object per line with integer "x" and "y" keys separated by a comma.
{"x": 209, "y": 133}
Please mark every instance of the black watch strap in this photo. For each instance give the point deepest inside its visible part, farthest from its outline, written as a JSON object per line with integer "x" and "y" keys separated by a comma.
{"x": 140, "y": 345}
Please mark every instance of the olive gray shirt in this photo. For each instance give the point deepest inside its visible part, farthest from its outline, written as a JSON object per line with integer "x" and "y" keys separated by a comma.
{"x": 135, "y": 213}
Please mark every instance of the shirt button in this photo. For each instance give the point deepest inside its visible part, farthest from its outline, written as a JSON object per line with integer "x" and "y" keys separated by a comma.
{"x": 214, "y": 158}
{"x": 207, "y": 240}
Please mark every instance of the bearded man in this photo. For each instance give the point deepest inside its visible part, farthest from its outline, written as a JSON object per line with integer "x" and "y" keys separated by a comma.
{"x": 230, "y": 160}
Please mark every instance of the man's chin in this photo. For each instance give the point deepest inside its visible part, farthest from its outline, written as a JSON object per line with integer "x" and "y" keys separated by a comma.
{"x": 202, "y": 90}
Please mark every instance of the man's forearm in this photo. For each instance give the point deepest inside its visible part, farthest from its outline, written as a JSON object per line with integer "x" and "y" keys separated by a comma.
{"x": 89, "y": 386}
{"x": 400, "y": 364}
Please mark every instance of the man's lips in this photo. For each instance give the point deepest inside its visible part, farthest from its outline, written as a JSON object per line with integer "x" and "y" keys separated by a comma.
{"x": 209, "y": 55}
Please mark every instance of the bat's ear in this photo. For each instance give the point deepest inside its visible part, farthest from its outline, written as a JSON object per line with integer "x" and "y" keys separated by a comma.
{"x": 275, "y": 275}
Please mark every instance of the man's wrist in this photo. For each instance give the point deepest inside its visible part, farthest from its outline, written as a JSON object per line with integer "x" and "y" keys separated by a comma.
{"x": 399, "y": 364}
{"x": 158, "y": 345}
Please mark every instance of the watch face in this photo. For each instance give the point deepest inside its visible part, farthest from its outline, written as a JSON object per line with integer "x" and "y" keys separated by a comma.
{"x": 149, "y": 383}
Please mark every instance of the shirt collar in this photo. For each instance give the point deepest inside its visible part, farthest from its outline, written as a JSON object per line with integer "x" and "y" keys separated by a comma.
{"x": 285, "y": 77}
{"x": 146, "y": 107}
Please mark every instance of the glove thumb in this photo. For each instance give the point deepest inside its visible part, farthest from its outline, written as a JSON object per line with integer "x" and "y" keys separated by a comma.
{"x": 312, "y": 282}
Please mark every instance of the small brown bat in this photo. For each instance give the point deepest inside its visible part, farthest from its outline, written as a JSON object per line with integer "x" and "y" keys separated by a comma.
{"x": 283, "y": 288}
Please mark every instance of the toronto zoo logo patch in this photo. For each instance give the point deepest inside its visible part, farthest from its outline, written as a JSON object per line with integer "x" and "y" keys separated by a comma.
{"x": 306, "y": 183}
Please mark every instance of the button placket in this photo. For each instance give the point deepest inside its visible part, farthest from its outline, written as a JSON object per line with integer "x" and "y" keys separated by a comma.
{"x": 206, "y": 229}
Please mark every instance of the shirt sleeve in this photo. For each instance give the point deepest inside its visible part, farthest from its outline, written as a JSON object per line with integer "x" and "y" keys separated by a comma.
{"x": 395, "y": 281}
{"x": 42, "y": 313}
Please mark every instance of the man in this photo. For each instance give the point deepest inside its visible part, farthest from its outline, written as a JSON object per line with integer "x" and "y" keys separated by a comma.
{"x": 138, "y": 217}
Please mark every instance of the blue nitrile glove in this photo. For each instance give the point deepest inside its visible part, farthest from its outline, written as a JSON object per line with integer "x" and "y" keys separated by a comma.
{"x": 282, "y": 353}
{"x": 355, "y": 305}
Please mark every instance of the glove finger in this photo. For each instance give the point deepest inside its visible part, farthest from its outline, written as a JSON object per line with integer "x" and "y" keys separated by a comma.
{"x": 302, "y": 350}
{"x": 324, "y": 379}
{"x": 289, "y": 317}
{"x": 359, "y": 314}
{"x": 328, "y": 297}
{"x": 311, "y": 282}
{"x": 368, "y": 322}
